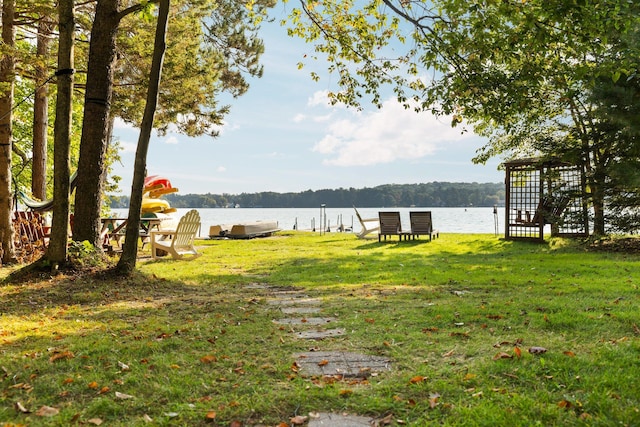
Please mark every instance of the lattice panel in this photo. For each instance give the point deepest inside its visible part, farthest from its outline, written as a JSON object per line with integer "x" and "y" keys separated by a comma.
{"x": 544, "y": 196}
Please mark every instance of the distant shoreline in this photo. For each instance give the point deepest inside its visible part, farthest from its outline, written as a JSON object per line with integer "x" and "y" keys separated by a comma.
{"x": 434, "y": 194}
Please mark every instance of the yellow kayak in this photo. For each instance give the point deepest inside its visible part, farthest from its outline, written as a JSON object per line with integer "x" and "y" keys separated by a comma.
{"x": 154, "y": 205}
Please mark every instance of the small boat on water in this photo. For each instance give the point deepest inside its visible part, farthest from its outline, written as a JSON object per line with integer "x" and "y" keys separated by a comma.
{"x": 245, "y": 230}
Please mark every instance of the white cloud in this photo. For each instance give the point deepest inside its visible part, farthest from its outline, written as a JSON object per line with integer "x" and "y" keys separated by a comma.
{"x": 221, "y": 169}
{"x": 386, "y": 135}
{"x": 171, "y": 140}
{"x": 323, "y": 119}
{"x": 320, "y": 97}
{"x": 127, "y": 147}
{"x": 118, "y": 123}
{"x": 299, "y": 118}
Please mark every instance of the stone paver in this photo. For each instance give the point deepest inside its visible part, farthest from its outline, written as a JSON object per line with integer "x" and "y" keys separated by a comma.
{"x": 291, "y": 301}
{"x": 320, "y": 334}
{"x": 305, "y": 320}
{"x": 325, "y": 419}
{"x": 294, "y": 301}
{"x": 300, "y": 310}
{"x": 346, "y": 364}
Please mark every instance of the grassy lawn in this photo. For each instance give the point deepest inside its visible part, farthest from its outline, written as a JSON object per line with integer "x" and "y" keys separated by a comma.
{"x": 191, "y": 343}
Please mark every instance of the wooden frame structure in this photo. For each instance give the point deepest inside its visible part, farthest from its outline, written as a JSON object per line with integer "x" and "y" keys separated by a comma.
{"x": 544, "y": 192}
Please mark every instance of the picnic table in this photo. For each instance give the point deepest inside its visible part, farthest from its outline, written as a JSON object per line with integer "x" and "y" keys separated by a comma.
{"x": 113, "y": 230}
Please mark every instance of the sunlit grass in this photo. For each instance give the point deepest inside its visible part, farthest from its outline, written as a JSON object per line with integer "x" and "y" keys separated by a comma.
{"x": 185, "y": 339}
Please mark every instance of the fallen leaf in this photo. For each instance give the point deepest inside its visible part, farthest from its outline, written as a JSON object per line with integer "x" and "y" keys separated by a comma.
{"x": 417, "y": 379}
{"x": 61, "y": 355}
{"x": 208, "y": 359}
{"x": 346, "y": 392}
{"x": 502, "y": 355}
{"x": 387, "y": 420}
{"x": 21, "y": 408}
{"x": 235, "y": 423}
{"x": 95, "y": 421}
{"x": 569, "y": 353}
{"x": 298, "y": 420}
{"x": 433, "y": 400}
{"x": 147, "y": 418}
{"x": 448, "y": 353}
{"x": 517, "y": 351}
{"x": 323, "y": 362}
{"x": 67, "y": 381}
{"x": 565, "y": 404}
{"x": 123, "y": 396}
{"x": 123, "y": 366}
{"x": 104, "y": 390}
{"x": 47, "y": 411}
{"x": 211, "y": 415}
{"x": 92, "y": 384}
{"x": 370, "y": 320}
{"x": 469, "y": 376}
{"x": 537, "y": 350}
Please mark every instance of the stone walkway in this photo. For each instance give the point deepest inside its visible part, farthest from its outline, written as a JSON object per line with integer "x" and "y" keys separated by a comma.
{"x": 303, "y": 315}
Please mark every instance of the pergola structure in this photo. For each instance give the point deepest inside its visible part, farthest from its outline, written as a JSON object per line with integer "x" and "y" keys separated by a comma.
{"x": 544, "y": 192}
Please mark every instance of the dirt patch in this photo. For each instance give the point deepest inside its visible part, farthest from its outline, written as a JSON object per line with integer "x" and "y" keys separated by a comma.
{"x": 629, "y": 245}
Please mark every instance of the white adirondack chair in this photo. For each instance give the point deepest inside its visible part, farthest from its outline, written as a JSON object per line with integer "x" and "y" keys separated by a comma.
{"x": 369, "y": 225}
{"x": 179, "y": 242}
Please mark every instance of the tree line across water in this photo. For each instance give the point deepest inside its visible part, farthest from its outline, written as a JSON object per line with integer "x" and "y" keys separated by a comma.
{"x": 434, "y": 194}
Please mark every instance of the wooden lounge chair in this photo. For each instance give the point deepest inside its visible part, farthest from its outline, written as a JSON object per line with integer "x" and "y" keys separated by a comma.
{"x": 179, "y": 242}
{"x": 367, "y": 229}
{"x": 548, "y": 211}
{"x": 390, "y": 225}
{"x": 422, "y": 225}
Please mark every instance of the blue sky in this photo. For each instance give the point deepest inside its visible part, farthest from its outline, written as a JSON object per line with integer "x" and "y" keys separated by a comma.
{"x": 283, "y": 136}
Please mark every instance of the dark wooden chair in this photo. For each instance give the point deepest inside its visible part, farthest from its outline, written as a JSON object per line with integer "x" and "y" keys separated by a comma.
{"x": 390, "y": 225}
{"x": 422, "y": 225}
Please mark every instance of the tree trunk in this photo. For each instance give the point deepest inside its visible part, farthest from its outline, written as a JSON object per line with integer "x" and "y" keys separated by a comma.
{"x": 40, "y": 114}
{"x": 7, "y": 78}
{"x": 130, "y": 250}
{"x": 95, "y": 137}
{"x": 597, "y": 185}
{"x": 57, "y": 250}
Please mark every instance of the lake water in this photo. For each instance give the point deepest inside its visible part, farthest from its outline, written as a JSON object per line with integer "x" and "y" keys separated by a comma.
{"x": 446, "y": 220}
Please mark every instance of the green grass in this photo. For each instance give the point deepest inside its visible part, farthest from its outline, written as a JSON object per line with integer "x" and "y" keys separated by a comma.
{"x": 196, "y": 339}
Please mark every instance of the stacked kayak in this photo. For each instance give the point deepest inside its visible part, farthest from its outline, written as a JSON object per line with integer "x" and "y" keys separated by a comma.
{"x": 155, "y": 187}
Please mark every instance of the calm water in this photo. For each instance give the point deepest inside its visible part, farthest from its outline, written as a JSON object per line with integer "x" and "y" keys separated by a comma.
{"x": 447, "y": 220}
